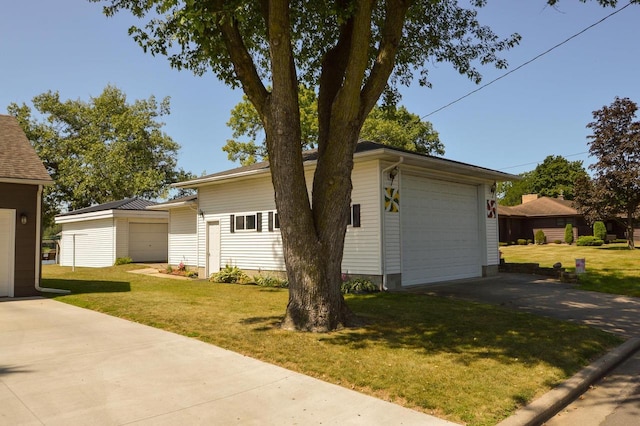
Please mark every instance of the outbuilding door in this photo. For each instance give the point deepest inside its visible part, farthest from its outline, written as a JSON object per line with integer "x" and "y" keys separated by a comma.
{"x": 148, "y": 242}
{"x": 440, "y": 240}
{"x": 7, "y": 251}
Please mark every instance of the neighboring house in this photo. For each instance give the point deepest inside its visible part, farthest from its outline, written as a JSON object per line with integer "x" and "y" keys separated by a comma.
{"x": 551, "y": 215}
{"x": 415, "y": 219}
{"x": 22, "y": 178}
{"x": 98, "y": 235}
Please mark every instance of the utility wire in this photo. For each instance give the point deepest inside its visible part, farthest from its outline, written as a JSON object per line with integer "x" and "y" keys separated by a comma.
{"x": 538, "y": 162}
{"x": 528, "y": 62}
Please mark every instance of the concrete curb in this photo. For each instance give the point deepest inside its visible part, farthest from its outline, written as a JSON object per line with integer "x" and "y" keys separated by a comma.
{"x": 548, "y": 405}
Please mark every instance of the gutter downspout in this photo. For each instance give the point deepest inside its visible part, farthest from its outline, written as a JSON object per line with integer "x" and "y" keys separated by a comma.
{"x": 38, "y": 263}
{"x": 382, "y": 223}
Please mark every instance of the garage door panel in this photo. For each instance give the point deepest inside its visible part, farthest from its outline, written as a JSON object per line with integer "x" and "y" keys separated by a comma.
{"x": 439, "y": 231}
{"x": 148, "y": 242}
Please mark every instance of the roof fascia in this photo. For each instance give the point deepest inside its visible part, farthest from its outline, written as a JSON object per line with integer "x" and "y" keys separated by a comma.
{"x": 26, "y": 181}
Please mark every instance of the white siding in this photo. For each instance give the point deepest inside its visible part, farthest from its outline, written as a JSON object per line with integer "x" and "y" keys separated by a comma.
{"x": 94, "y": 245}
{"x": 362, "y": 245}
{"x": 489, "y": 227}
{"x": 245, "y": 249}
{"x": 263, "y": 250}
{"x": 392, "y": 241}
{"x": 183, "y": 238}
{"x": 122, "y": 238}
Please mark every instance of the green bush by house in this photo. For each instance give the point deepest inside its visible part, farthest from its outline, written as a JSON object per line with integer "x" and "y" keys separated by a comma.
{"x": 540, "y": 238}
{"x": 600, "y": 230}
{"x": 568, "y": 234}
{"x": 588, "y": 240}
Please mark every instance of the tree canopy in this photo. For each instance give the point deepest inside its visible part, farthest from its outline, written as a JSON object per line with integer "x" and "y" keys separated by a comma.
{"x": 614, "y": 191}
{"x": 390, "y": 125}
{"x": 554, "y": 177}
{"x": 102, "y": 150}
{"x": 352, "y": 52}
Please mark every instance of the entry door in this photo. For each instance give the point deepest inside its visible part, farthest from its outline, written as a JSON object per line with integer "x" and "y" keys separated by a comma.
{"x": 7, "y": 251}
{"x": 213, "y": 247}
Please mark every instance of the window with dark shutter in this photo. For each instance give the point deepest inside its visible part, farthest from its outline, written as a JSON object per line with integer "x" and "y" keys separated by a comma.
{"x": 232, "y": 222}
{"x": 259, "y": 222}
{"x": 270, "y": 224}
{"x": 356, "y": 215}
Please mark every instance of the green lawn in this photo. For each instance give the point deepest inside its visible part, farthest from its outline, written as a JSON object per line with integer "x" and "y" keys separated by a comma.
{"x": 610, "y": 268}
{"x": 466, "y": 362}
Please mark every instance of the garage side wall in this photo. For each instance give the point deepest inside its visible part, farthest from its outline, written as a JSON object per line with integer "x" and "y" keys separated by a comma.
{"x": 489, "y": 230}
{"x": 94, "y": 245}
{"x": 183, "y": 238}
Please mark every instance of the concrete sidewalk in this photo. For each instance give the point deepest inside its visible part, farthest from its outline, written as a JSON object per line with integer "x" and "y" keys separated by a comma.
{"x": 63, "y": 365}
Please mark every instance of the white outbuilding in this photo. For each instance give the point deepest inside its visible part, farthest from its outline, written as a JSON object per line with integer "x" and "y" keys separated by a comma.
{"x": 415, "y": 219}
{"x": 98, "y": 235}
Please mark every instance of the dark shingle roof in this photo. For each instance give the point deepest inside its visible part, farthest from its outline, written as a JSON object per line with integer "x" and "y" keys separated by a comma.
{"x": 126, "y": 204}
{"x": 18, "y": 159}
{"x": 543, "y": 206}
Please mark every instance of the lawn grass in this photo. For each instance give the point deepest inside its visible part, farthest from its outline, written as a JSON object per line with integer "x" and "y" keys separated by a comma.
{"x": 469, "y": 363}
{"x": 610, "y": 268}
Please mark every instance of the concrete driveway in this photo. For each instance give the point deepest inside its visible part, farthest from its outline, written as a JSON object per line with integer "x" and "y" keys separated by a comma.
{"x": 63, "y": 365}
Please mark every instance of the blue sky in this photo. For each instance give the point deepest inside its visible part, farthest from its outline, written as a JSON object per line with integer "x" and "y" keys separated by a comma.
{"x": 540, "y": 110}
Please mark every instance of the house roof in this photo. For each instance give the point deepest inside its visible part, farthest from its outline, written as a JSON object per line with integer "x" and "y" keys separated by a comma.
{"x": 543, "y": 206}
{"x": 189, "y": 200}
{"x": 126, "y": 204}
{"x": 364, "y": 149}
{"x": 19, "y": 162}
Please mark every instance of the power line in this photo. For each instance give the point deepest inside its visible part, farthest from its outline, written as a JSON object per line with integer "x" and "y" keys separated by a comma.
{"x": 538, "y": 162}
{"x": 528, "y": 62}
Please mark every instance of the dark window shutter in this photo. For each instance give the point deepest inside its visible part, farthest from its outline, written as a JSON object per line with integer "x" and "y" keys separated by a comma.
{"x": 350, "y": 216}
{"x": 270, "y": 224}
{"x": 277, "y": 221}
{"x": 232, "y": 222}
{"x": 356, "y": 215}
{"x": 259, "y": 222}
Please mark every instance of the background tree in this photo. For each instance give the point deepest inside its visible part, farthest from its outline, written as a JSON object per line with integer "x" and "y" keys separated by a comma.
{"x": 390, "y": 125}
{"x": 614, "y": 191}
{"x": 351, "y": 51}
{"x": 554, "y": 177}
{"x": 99, "y": 151}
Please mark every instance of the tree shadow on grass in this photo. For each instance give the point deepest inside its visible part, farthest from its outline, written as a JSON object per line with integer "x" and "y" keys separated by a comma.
{"x": 86, "y": 286}
{"x": 613, "y": 281}
{"x": 264, "y": 323}
{"x": 471, "y": 331}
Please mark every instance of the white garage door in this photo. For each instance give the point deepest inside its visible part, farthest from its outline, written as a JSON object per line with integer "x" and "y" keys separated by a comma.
{"x": 439, "y": 231}
{"x": 148, "y": 242}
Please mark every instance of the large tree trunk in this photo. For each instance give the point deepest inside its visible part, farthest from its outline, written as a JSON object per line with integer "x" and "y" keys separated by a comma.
{"x": 630, "y": 241}
{"x": 313, "y": 238}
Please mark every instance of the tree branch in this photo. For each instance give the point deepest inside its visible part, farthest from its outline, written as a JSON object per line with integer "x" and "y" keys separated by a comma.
{"x": 396, "y": 12}
{"x": 242, "y": 61}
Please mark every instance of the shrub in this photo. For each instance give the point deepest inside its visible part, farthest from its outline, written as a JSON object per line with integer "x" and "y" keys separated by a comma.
{"x": 588, "y": 240}
{"x": 599, "y": 230}
{"x": 191, "y": 274}
{"x": 557, "y": 241}
{"x": 270, "y": 281}
{"x": 568, "y": 234}
{"x": 540, "y": 238}
{"x": 522, "y": 242}
{"x": 229, "y": 274}
{"x": 503, "y": 244}
{"x": 123, "y": 261}
{"x": 358, "y": 285}
{"x": 619, "y": 240}
{"x": 529, "y": 241}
